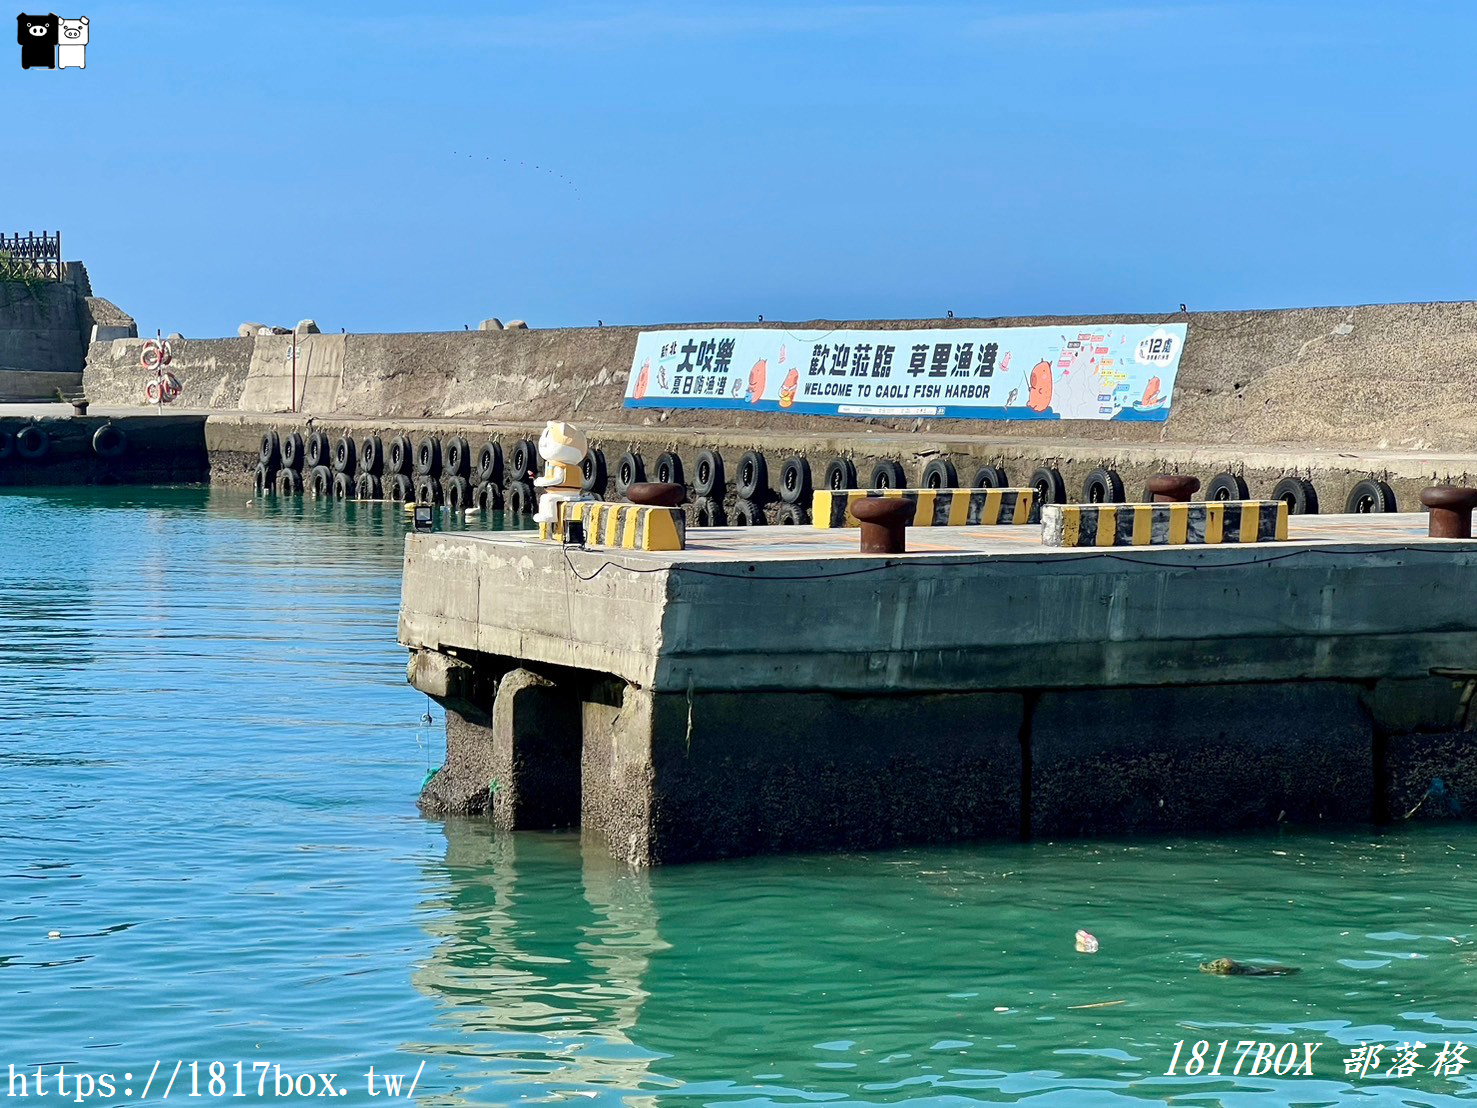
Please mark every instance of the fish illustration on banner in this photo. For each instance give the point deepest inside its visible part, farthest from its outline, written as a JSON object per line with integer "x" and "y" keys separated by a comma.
{"x": 1095, "y": 371}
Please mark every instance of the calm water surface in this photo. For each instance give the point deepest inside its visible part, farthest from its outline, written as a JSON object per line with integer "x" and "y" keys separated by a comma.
{"x": 208, "y": 765}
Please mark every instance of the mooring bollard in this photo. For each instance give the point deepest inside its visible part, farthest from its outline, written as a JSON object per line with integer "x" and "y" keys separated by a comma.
{"x": 656, "y": 494}
{"x": 884, "y": 523}
{"x": 1451, "y": 511}
{"x": 1172, "y": 488}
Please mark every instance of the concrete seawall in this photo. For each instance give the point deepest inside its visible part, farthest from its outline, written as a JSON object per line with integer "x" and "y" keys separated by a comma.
{"x": 1388, "y": 376}
{"x": 1334, "y": 395}
{"x": 45, "y": 327}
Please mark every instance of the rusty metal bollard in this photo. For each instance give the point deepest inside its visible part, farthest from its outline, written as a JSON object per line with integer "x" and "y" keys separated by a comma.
{"x": 884, "y": 523}
{"x": 656, "y": 494}
{"x": 1172, "y": 488}
{"x": 1451, "y": 511}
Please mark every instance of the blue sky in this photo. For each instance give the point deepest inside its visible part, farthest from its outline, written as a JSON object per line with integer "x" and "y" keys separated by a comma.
{"x": 391, "y": 167}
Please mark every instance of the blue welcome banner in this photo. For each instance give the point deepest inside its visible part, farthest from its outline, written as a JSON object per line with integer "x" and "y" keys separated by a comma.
{"x": 1100, "y": 371}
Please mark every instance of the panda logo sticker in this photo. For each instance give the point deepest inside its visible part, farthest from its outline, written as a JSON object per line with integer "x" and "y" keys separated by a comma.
{"x": 51, "y": 42}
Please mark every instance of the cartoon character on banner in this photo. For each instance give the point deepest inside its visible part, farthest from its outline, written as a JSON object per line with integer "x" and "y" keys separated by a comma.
{"x": 757, "y": 377}
{"x": 563, "y": 447}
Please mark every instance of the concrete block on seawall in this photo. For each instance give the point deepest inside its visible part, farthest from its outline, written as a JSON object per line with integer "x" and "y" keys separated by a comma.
{"x": 1163, "y": 524}
{"x": 307, "y": 327}
{"x": 493, "y": 324}
{"x": 247, "y": 330}
{"x": 107, "y": 332}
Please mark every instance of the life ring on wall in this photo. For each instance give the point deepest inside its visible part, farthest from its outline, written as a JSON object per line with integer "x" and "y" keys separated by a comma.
{"x": 155, "y": 354}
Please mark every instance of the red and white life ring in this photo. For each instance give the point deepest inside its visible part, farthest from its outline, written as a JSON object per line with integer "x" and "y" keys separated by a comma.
{"x": 155, "y": 354}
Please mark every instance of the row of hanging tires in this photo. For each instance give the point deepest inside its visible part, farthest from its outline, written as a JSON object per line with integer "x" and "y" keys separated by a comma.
{"x": 32, "y": 443}
{"x": 437, "y": 471}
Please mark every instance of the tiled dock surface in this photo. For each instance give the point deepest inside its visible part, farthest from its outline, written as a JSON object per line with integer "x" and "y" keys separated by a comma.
{"x": 729, "y": 544}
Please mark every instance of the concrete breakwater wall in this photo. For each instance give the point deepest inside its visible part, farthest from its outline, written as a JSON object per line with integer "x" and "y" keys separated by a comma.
{"x": 1332, "y": 395}
{"x": 1388, "y": 376}
{"x": 45, "y": 327}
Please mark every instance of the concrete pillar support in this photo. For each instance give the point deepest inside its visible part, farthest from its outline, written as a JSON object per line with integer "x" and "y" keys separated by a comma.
{"x": 520, "y": 763}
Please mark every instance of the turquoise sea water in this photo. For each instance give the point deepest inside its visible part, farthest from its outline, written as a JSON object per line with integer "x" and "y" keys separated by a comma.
{"x": 208, "y": 766}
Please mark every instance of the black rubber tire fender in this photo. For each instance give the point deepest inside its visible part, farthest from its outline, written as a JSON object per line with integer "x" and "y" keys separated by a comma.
{"x": 7, "y": 445}
{"x": 289, "y": 482}
{"x": 490, "y": 463}
{"x": 888, "y": 474}
{"x": 457, "y": 457}
{"x": 399, "y": 488}
{"x": 707, "y": 474}
{"x": 840, "y": 475}
{"x": 367, "y": 487}
{"x": 428, "y": 457}
{"x": 427, "y": 490}
{"x": 1049, "y": 486}
{"x": 791, "y": 514}
{"x": 630, "y": 470}
{"x": 751, "y": 479}
{"x": 1227, "y": 486}
{"x": 319, "y": 450}
{"x": 261, "y": 480}
{"x": 593, "y": 474}
{"x": 707, "y": 511}
{"x": 270, "y": 449}
{"x": 1103, "y": 486}
{"x": 1298, "y": 494}
{"x": 990, "y": 477}
{"x": 1370, "y": 496}
{"x": 343, "y": 486}
{"x": 746, "y": 513}
{"x": 795, "y": 481}
{"x": 371, "y": 455}
{"x": 521, "y": 500}
{"x": 292, "y": 451}
{"x": 523, "y": 461}
{"x": 458, "y": 493}
{"x": 489, "y": 496}
{"x": 32, "y": 443}
{"x": 344, "y": 455}
{"x": 668, "y": 469}
{"x": 940, "y": 474}
{"x": 110, "y": 442}
{"x": 398, "y": 457}
{"x": 320, "y": 481}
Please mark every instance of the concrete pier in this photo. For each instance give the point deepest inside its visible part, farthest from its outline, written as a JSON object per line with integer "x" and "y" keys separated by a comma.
{"x": 777, "y": 690}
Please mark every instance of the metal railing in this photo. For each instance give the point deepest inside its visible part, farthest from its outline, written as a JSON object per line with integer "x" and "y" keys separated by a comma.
{"x": 31, "y": 257}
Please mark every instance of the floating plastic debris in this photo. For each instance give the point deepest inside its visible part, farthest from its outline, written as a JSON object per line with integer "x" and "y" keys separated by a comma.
{"x": 1086, "y": 943}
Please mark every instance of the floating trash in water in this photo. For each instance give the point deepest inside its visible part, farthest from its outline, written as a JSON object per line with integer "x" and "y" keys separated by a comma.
{"x": 53, "y": 934}
{"x": 1086, "y": 943}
